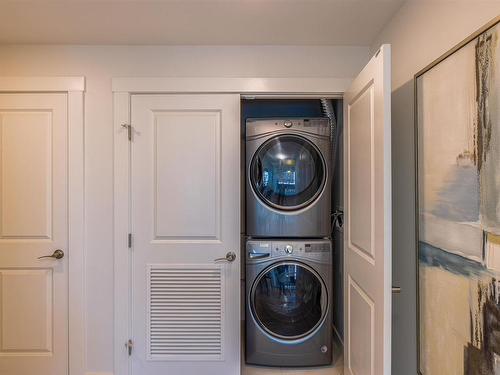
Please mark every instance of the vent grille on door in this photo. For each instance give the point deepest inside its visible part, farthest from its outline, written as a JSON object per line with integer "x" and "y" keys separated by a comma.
{"x": 185, "y": 312}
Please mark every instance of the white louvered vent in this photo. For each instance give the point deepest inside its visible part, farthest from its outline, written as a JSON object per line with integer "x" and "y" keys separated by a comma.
{"x": 185, "y": 312}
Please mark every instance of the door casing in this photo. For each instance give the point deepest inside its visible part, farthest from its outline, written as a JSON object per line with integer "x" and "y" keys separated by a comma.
{"x": 123, "y": 89}
{"x": 74, "y": 87}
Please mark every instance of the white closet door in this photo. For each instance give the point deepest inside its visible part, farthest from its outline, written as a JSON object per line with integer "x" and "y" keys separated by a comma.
{"x": 367, "y": 283}
{"x": 185, "y": 213}
{"x": 33, "y": 223}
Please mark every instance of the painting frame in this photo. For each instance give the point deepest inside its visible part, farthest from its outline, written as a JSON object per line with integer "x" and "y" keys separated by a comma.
{"x": 491, "y": 24}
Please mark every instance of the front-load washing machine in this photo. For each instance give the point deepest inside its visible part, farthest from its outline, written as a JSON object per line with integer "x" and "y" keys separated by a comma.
{"x": 288, "y": 309}
{"x": 288, "y": 177}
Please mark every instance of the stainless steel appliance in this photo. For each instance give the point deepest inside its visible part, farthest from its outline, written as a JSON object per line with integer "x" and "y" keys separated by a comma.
{"x": 288, "y": 309}
{"x": 288, "y": 177}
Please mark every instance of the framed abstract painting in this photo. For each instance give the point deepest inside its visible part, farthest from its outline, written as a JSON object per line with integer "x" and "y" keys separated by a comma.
{"x": 457, "y": 133}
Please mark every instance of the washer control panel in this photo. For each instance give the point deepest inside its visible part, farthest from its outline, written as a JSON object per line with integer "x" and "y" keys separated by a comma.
{"x": 257, "y": 250}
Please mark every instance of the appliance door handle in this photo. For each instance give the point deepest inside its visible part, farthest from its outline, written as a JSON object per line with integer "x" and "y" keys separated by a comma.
{"x": 259, "y": 172}
{"x": 258, "y": 255}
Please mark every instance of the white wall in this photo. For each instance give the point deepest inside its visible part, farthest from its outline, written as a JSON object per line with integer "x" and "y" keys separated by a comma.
{"x": 99, "y": 64}
{"x": 420, "y": 32}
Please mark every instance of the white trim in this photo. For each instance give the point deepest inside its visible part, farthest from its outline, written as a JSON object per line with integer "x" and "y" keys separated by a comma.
{"x": 123, "y": 88}
{"x": 246, "y": 86}
{"x": 122, "y": 290}
{"x": 74, "y": 87}
{"x": 291, "y": 96}
{"x": 76, "y": 196}
{"x": 42, "y": 84}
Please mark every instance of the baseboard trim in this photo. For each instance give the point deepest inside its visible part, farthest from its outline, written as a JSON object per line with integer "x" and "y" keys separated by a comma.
{"x": 98, "y": 373}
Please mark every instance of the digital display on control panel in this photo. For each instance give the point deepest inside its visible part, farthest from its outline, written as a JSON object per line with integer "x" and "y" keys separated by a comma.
{"x": 316, "y": 247}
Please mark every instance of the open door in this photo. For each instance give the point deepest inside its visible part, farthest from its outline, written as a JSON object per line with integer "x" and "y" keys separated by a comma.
{"x": 367, "y": 158}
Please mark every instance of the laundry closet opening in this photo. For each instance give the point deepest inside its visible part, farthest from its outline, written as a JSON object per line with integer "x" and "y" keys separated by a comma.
{"x": 291, "y": 205}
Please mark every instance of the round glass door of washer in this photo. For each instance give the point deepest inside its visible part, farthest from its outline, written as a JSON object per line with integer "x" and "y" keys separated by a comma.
{"x": 287, "y": 172}
{"x": 289, "y": 300}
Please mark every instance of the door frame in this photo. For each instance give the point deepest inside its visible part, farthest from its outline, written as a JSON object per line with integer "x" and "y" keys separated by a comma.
{"x": 74, "y": 87}
{"x": 123, "y": 88}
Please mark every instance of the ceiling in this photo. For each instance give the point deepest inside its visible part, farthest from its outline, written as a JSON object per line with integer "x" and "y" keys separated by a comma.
{"x": 195, "y": 22}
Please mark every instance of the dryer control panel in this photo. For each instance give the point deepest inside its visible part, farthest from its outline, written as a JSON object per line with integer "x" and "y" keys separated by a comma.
{"x": 318, "y": 126}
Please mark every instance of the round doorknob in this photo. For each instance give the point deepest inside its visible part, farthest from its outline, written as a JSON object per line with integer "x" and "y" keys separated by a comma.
{"x": 57, "y": 254}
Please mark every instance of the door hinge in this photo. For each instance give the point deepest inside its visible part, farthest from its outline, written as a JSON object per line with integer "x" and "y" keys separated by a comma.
{"x": 129, "y": 345}
{"x": 129, "y": 130}
{"x": 129, "y": 240}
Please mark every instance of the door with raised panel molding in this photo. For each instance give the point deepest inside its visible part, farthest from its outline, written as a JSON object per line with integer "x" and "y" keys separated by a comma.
{"x": 33, "y": 224}
{"x": 367, "y": 235}
{"x": 185, "y": 214}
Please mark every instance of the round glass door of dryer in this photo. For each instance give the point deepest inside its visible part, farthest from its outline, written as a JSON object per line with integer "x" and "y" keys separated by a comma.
{"x": 289, "y": 300}
{"x": 287, "y": 172}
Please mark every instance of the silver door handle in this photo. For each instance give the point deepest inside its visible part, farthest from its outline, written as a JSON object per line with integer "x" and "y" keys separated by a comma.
{"x": 396, "y": 289}
{"x": 230, "y": 257}
{"x": 58, "y": 254}
{"x": 258, "y": 255}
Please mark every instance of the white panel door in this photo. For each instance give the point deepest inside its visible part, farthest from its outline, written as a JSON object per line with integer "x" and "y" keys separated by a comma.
{"x": 367, "y": 158}
{"x": 185, "y": 213}
{"x": 33, "y": 223}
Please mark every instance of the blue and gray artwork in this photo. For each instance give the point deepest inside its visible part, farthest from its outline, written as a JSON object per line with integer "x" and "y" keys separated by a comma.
{"x": 459, "y": 211}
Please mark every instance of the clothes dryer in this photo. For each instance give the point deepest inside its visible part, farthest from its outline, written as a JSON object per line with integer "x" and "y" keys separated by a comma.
{"x": 288, "y": 177}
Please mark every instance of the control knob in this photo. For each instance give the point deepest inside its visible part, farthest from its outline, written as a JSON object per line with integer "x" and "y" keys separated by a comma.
{"x": 288, "y": 249}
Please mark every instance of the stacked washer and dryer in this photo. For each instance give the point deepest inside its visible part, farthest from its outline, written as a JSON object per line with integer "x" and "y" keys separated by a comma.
{"x": 288, "y": 251}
